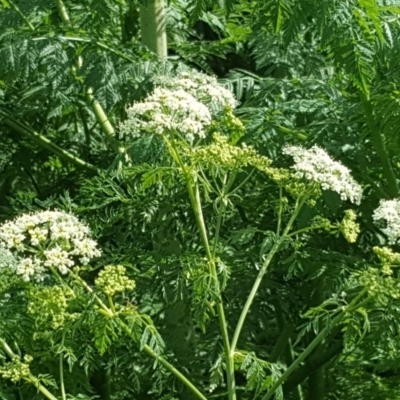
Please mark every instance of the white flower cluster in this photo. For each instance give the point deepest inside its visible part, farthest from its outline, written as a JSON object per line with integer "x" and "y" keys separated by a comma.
{"x": 204, "y": 88}
{"x": 389, "y": 212}
{"x": 47, "y": 239}
{"x": 316, "y": 165}
{"x": 166, "y": 111}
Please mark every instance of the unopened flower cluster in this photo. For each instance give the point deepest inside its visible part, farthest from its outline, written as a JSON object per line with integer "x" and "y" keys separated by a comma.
{"x": 168, "y": 111}
{"x": 112, "y": 279}
{"x": 388, "y": 215}
{"x": 381, "y": 286}
{"x": 48, "y": 306}
{"x": 204, "y": 88}
{"x": 349, "y": 227}
{"x": 17, "y": 369}
{"x": 317, "y": 166}
{"x": 47, "y": 239}
{"x": 221, "y": 153}
{"x": 387, "y": 256}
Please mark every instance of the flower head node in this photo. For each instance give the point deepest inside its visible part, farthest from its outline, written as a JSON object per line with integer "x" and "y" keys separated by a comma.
{"x": 168, "y": 111}
{"x": 316, "y": 165}
{"x": 36, "y": 242}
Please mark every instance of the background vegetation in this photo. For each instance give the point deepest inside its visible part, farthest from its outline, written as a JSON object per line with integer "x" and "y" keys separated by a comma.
{"x": 306, "y": 72}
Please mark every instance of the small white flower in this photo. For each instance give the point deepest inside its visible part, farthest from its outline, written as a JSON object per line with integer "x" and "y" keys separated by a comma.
{"x": 316, "y": 165}
{"x": 7, "y": 259}
{"x": 389, "y": 212}
{"x": 166, "y": 111}
{"x": 203, "y": 87}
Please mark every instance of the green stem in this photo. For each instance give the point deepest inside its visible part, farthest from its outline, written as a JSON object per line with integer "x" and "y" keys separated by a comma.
{"x": 256, "y": 285}
{"x": 318, "y": 339}
{"x": 101, "y": 116}
{"x": 380, "y": 147}
{"x": 31, "y": 379}
{"x": 61, "y": 366}
{"x": 309, "y": 228}
{"x": 19, "y": 12}
{"x": 278, "y": 229}
{"x": 46, "y": 143}
{"x": 194, "y": 195}
{"x": 106, "y": 125}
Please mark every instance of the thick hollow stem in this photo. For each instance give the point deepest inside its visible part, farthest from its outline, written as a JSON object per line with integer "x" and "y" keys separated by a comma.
{"x": 62, "y": 11}
{"x": 153, "y": 27}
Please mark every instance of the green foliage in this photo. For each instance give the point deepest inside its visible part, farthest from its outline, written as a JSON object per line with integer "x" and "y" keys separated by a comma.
{"x": 305, "y": 72}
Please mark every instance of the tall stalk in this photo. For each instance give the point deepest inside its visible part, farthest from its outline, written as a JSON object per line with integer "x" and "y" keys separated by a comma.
{"x": 153, "y": 27}
{"x": 194, "y": 195}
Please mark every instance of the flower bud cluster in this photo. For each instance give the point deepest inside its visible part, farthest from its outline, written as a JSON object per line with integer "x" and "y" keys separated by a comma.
{"x": 349, "y": 228}
{"x": 316, "y": 165}
{"x": 48, "y": 305}
{"x": 388, "y": 212}
{"x": 204, "y": 88}
{"x": 387, "y": 255}
{"x": 46, "y": 239}
{"x": 168, "y": 111}
{"x": 221, "y": 153}
{"x": 381, "y": 286}
{"x": 112, "y": 279}
{"x": 17, "y": 369}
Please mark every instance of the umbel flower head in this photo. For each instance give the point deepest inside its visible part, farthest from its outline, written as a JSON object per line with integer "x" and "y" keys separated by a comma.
{"x": 204, "y": 88}
{"x": 317, "y": 166}
{"x": 46, "y": 239}
{"x": 166, "y": 111}
{"x": 388, "y": 215}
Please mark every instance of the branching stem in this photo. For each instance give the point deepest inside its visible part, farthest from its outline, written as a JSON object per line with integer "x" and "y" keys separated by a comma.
{"x": 267, "y": 261}
{"x": 31, "y": 379}
{"x": 194, "y": 195}
{"x": 110, "y": 313}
